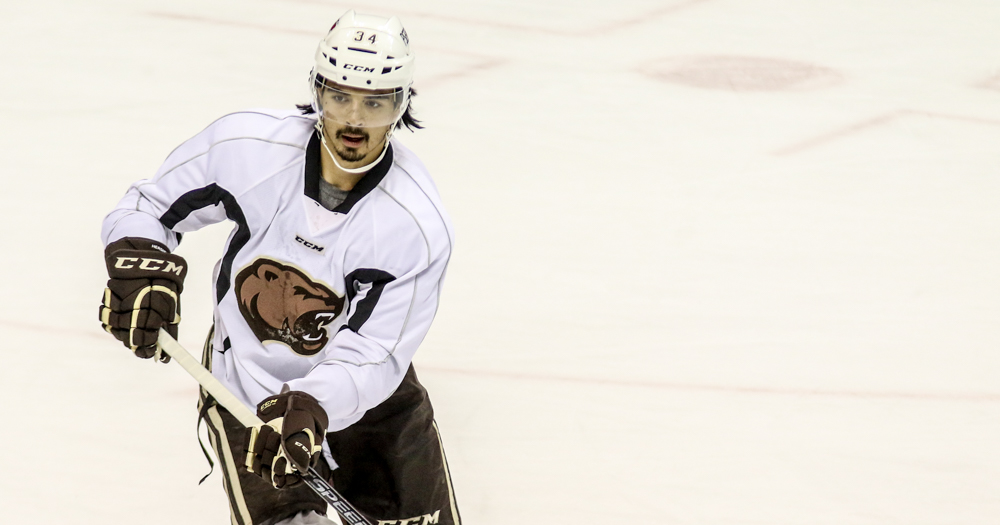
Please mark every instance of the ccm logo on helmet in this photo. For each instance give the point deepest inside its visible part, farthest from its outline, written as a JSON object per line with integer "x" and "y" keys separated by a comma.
{"x": 145, "y": 263}
{"x": 363, "y": 69}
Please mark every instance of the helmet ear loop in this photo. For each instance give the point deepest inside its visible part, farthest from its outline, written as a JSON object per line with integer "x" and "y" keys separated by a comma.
{"x": 406, "y": 105}
{"x": 316, "y": 105}
{"x": 392, "y": 127}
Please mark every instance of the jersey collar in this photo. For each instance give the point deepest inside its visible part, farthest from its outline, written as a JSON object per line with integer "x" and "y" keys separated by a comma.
{"x": 364, "y": 186}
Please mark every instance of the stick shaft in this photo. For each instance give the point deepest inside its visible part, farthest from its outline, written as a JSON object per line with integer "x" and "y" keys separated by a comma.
{"x": 227, "y": 400}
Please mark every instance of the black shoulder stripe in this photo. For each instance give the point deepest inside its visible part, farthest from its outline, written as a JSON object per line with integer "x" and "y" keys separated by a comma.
{"x": 363, "y": 310}
{"x": 202, "y": 198}
{"x": 190, "y": 202}
{"x": 313, "y": 169}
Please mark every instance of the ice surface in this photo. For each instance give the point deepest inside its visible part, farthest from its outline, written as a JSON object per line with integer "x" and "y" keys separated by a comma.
{"x": 718, "y": 262}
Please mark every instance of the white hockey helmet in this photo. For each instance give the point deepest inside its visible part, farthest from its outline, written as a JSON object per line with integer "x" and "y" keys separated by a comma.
{"x": 366, "y": 52}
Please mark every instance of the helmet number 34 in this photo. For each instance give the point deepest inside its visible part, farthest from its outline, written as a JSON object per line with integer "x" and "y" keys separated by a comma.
{"x": 360, "y": 35}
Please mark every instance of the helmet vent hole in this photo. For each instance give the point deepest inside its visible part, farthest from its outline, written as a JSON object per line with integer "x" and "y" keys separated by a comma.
{"x": 333, "y": 61}
{"x": 386, "y": 70}
{"x": 361, "y": 50}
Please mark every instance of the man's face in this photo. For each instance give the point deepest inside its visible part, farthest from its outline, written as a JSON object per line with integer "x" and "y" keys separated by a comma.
{"x": 355, "y": 121}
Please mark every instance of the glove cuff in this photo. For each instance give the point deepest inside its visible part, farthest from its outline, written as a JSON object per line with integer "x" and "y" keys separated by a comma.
{"x": 135, "y": 243}
{"x": 288, "y": 401}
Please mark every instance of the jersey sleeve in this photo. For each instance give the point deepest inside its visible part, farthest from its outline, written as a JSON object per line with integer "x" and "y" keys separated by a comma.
{"x": 393, "y": 299}
{"x": 184, "y": 195}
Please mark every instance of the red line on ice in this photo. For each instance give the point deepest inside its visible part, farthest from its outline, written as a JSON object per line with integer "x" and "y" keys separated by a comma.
{"x": 215, "y": 21}
{"x": 794, "y": 392}
{"x": 875, "y": 122}
{"x": 918, "y": 396}
{"x": 588, "y": 31}
{"x": 55, "y": 329}
{"x": 483, "y": 62}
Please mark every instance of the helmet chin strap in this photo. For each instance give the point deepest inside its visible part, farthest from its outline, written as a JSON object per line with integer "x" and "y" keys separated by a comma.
{"x": 362, "y": 169}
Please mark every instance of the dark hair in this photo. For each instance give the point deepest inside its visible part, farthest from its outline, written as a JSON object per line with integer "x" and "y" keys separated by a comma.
{"x": 411, "y": 123}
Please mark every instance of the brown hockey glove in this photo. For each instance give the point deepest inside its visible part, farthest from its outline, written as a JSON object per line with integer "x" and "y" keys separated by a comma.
{"x": 291, "y": 439}
{"x": 143, "y": 293}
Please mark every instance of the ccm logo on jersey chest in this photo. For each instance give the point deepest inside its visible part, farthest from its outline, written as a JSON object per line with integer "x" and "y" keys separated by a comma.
{"x": 307, "y": 244}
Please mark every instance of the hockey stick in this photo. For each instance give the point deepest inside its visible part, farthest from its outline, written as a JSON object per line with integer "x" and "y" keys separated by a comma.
{"x": 224, "y": 397}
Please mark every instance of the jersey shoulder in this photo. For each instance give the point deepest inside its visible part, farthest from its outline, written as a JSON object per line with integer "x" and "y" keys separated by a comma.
{"x": 404, "y": 158}
{"x": 254, "y": 125}
{"x": 408, "y": 200}
{"x": 258, "y": 139}
{"x": 410, "y": 179}
{"x": 270, "y": 125}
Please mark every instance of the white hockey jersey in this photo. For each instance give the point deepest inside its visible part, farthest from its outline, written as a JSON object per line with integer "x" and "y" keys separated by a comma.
{"x": 333, "y": 303}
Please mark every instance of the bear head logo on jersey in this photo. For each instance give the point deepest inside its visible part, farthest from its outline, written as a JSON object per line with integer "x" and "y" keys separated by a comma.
{"x": 281, "y": 303}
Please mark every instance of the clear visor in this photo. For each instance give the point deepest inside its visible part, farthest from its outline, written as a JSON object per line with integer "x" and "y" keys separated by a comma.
{"x": 358, "y": 107}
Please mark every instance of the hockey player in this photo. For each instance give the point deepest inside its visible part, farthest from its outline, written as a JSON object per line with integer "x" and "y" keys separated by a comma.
{"x": 327, "y": 284}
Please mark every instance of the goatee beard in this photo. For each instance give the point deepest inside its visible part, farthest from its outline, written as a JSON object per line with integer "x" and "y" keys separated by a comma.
{"x": 346, "y": 153}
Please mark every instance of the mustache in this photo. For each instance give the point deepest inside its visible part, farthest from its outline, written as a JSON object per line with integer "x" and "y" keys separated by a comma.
{"x": 351, "y": 131}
